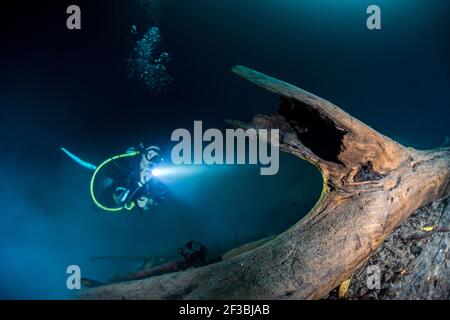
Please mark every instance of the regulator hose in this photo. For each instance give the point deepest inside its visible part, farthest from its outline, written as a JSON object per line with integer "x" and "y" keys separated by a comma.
{"x": 128, "y": 206}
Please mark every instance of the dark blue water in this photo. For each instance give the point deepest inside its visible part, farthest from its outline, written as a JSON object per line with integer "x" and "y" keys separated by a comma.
{"x": 61, "y": 88}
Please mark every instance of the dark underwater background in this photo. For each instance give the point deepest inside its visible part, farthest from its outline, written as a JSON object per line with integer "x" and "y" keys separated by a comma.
{"x": 70, "y": 88}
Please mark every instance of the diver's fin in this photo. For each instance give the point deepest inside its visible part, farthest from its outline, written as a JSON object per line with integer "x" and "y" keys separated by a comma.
{"x": 78, "y": 160}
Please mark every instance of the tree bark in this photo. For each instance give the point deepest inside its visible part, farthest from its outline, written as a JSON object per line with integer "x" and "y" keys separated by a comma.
{"x": 413, "y": 263}
{"x": 371, "y": 185}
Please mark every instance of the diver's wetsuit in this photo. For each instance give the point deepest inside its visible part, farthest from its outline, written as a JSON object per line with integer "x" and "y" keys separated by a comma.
{"x": 153, "y": 188}
{"x": 145, "y": 194}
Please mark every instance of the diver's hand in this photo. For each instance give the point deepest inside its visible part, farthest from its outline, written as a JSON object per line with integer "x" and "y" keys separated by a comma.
{"x": 145, "y": 176}
{"x": 145, "y": 203}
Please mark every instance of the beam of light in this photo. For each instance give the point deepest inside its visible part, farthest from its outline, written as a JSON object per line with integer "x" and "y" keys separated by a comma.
{"x": 174, "y": 171}
{"x": 157, "y": 172}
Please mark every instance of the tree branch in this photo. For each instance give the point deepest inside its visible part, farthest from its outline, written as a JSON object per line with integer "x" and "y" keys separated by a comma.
{"x": 371, "y": 185}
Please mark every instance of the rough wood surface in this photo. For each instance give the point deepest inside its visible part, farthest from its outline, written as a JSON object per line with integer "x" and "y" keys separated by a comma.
{"x": 413, "y": 263}
{"x": 371, "y": 185}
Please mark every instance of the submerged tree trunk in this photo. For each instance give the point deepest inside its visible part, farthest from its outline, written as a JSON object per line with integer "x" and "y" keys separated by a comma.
{"x": 413, "y": 262}
{"x": 371, "y": 185}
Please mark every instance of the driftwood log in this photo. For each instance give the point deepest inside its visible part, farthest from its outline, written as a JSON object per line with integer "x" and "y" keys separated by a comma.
{"x": 371, "y": 185}
{"x": 413, "y": 263}
{"x": 193, "y": 255}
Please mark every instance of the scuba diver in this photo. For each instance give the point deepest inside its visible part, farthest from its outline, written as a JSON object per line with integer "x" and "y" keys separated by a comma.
{"x": 141, "y": 187}
{"x": 126, "y": 180}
